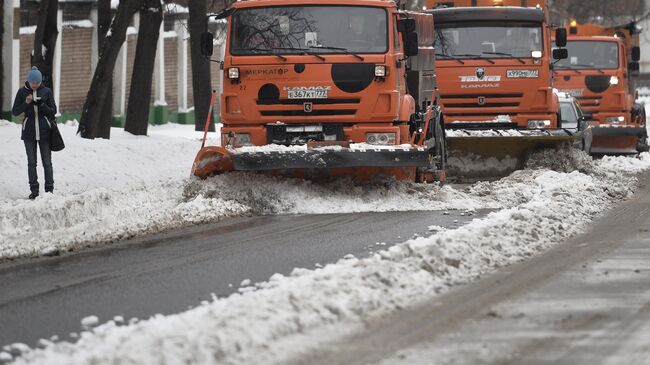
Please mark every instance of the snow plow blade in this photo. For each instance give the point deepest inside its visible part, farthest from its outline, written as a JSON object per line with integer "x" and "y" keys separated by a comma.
{"x": 478, "y": 155}
{"x": 618, "y": 140}
{"x": 216, "y": 160}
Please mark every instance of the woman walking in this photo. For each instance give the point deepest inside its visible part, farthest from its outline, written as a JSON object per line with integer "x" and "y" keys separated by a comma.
{"x": 36, "y": 103}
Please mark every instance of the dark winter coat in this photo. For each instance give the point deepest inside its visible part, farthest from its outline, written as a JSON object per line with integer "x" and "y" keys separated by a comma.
{"x": 46, "y": 111}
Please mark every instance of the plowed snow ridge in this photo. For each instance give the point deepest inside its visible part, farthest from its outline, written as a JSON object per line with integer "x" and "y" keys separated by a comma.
{"x": 554, "y": 199}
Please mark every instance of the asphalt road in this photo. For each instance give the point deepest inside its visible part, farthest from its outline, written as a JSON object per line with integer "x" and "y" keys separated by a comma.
{"x": 586, "y": 301}
{"x": 170, "y": 272}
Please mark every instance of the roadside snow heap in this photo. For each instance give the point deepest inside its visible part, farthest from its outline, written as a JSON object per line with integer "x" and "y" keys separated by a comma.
{"x": 554, "y": 198}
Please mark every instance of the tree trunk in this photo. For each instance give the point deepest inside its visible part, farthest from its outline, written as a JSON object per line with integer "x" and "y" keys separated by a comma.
{"x": 102, "y": 79}
{"x": 104, "y": 18}
{"x": 2, "y": 59}
{"x": 201, "y": 85}
{"x": 45, "y": 40}
{"x": 137, "y": 112}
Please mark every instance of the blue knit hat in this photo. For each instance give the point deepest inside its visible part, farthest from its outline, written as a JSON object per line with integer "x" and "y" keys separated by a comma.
{"x": 35, "y": 76}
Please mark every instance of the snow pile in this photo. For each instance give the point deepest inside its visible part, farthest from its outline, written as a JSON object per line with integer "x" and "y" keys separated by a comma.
{"x": 287, "y": 315}
{"x": 496, "y": 133}
{"x": 303, "y": 148}
{"x": 499, "y": 119}
{"x": 128, "y": 186}
{"x": 104, "y": 190}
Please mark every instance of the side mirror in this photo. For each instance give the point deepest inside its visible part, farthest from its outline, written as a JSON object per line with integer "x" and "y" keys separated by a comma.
{"x": 207, "y": 44}
{"x": 406, "y": 25}
{"x": 633, "y": 67}
{"x": 636, "y": 54}
{"x": 411, "y": 46}
{"x": 560, "y": 53}
{"x": 560, "y": 37}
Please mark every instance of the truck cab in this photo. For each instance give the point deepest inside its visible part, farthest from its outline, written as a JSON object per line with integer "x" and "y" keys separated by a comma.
{"x": 493, "y": 61}
{"x": 599, "y": 74}
{"x": 326, "y": 73}
{"x": 596, "y": 75}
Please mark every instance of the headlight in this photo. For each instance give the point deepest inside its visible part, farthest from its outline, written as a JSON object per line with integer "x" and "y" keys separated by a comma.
{"x": 613, "y": 80}
{"x": 381, "y": 71}
{"x": 242, "y": 139}
{"x": 536, "y": 54}
{"x": 380, "y": 138}
{"x": 539, "y": 124}
{"x": 615, "y": 120}
{"x": 233, "y": 73}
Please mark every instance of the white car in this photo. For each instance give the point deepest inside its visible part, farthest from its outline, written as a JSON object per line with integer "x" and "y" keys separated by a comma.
{"x": 575, "y": 120}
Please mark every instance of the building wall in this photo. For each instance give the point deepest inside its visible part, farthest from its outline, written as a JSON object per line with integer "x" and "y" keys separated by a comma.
{"x": 76, "y": 68}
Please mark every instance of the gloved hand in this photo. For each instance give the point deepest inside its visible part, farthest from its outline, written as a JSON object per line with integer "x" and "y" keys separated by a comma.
{"x": 38, "y": 102}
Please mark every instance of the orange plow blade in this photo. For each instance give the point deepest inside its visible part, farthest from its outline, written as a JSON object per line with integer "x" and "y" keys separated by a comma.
{"x": 212, "y": 160}
{"x": 405, "y": 162}
{"x": 618, "y": 140}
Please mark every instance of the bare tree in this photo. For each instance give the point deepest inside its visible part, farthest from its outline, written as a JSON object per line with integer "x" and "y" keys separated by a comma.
{"x": 104, "y": 18}
{"x": 137, "y": 113}
{"x": 2, "y": 59}
{"x": 201, "y": 85}
{"x": 99, "y": 88}
{"x": 604, "y": 12}
{"x": 45, "y": 40}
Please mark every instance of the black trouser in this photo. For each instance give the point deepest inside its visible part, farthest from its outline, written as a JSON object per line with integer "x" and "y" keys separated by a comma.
{"x": 46, "y": 158}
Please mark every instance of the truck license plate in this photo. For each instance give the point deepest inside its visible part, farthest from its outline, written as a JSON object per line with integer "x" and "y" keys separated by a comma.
{"x": 308, "y": 93}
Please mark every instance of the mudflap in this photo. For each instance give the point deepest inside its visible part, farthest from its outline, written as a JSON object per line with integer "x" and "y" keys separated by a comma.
{"x": 489, "y": 157}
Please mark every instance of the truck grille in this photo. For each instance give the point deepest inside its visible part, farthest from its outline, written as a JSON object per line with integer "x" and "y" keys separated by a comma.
{"x": 321, "y": 107}
{"x": 302, "y": 101}
{"x": 302, "y": 113}
{"x": 589, "y": 103}
{"x": 492, "y": 105}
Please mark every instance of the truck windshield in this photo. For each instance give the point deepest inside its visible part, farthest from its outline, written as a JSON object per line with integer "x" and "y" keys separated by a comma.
{"x": 488, "y": 39}
{"x": 321, "y": 29}
{"x": 585, "y": 55}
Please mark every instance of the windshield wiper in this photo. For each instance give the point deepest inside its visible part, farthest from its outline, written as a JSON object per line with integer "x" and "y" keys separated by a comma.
{"x": 587, "y": 67}
{"x": 590, "y": 67}
{"x": 450, "y": 57}
{"x": 568, "y": 68}
{"x": 303, "y": 50}
{"x": 507, "y": 55}
{"x": 344, "y": 50}
{"x": 475, "y": 56}
{"x": 265, "y": 50}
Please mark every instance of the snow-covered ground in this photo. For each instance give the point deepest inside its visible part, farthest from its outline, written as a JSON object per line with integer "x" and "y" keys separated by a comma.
{"x": 106, "y": 190}
{"x": 555, "y": 198}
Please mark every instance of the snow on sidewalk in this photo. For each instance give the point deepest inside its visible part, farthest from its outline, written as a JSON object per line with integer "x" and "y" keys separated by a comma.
{"x": 291, "y": 314}
{"x": 108, "y": 190}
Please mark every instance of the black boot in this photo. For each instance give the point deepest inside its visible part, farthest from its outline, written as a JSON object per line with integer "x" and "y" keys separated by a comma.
{"x": 33, "y": 195}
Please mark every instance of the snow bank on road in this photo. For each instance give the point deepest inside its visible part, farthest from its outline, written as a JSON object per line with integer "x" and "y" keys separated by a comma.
{"x": 107, "y": 190}
{"x": 104, "y": 189}
{"x": 290, "y": 315}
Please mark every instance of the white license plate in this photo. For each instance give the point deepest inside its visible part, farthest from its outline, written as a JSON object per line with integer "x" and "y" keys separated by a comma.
{"x": 307, "y": 94}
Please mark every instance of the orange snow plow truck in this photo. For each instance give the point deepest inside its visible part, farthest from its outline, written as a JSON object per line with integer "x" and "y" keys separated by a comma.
{"x": 599, "y": 74}
{"x": 324, "y": 88}
{"x": 494, "y": 61}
